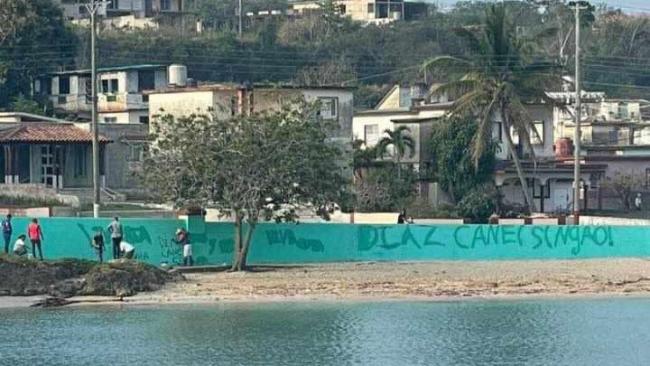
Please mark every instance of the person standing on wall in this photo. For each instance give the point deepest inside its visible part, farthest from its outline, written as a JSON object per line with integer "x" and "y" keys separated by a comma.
{"x": 36, "y": 237}
{"x": 7, "y": 230}
{"x": 115, "y": 228}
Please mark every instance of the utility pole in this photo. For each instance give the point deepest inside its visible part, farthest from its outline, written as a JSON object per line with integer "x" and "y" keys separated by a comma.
{"x": 579, "y": 5}
{"x": 93, "y": 8}
{"x": 239, "y": 14}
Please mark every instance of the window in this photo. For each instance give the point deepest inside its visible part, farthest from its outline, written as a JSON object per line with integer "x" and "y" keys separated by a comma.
{"x": 113, "y": 4}
{"x": 136, "y": 153}
{"x": 89, "y": 90}
{"x": 328, "y": 107}
{"x": 371, "y": 134}
{"x": 144, "y": 120}
{"x": 165, "y": 5}
{"x": 110, "y": 86}
{"x": 46, "y": 86}
{"x": 146, "y": 80}
{"x": 498, "y": 133}
{"x": 537, "y": 133}
{"x": 110, "y": 119}
{"x": 64, "y": 85}
{"x": 538, "y": 192}
{"x": 342, "y": 9}
{"x": 371, "y": 8}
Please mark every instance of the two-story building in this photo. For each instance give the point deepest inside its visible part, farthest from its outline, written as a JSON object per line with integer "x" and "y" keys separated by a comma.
{"x": 120, "y": 97}
{"x": 226, "y": 100}
{"x": 550, "y": 174}
{"x": 127, "y": 13}
{"x": 368, "y": 11}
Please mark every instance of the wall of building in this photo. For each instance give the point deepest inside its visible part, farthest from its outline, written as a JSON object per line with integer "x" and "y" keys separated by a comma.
{"x": 121, "y": 168}
{"x": 184, "y": 103}
{"x": 312, "y": 243}
{"x": 130, "y": 117}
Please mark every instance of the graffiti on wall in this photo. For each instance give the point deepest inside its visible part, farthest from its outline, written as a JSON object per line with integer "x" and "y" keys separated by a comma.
{"x": 473, "y": 236}
{"x": 288, "y": 237}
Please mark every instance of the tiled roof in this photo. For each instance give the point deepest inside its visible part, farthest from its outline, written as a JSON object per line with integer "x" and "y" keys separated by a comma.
{"x": 48, "y": 133}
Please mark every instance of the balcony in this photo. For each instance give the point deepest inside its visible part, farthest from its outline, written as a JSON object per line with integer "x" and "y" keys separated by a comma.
{"x": 121, "y": 102}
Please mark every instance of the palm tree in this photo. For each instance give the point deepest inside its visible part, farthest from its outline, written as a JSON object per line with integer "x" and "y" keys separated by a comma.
{"x": 497, "y": 80}
{"x": 401, "y": 140}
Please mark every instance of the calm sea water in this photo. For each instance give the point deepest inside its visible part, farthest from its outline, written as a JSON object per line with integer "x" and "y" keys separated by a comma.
{"x": 548, "y": 332}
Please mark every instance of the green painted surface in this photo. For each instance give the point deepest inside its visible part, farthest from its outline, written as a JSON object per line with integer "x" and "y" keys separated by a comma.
{"x": 70, "y": 237}
{"x": 303, "y": 243}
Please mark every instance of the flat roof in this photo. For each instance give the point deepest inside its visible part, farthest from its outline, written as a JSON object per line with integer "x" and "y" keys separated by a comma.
{"x": 233, "y": 87}
{"x": 111, "y": 69}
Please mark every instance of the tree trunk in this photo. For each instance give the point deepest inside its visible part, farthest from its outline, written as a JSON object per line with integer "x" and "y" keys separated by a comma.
{"x": 246, "y": 245}
{"x": 530, "y": 204}
{"x": 399, "y": 166}
{"x": 237, "y": 242}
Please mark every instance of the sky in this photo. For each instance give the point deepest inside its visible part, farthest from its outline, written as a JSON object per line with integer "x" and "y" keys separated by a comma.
{"x": 626, "y": 5}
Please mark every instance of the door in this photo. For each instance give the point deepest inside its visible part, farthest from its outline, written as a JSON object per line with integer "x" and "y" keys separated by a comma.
{"x": 48, "y": 176}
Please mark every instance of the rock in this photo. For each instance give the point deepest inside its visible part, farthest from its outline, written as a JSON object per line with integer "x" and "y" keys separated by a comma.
{"x": 67, "y": 288}
{"x": 66, "y": 278}
{"x": 49, "y": 302}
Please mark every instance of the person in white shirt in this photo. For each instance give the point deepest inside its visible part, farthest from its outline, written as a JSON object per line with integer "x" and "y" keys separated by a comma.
{"x": 19, "y": 246}
{"x": 638, "y": 202}
{"x": 127, "y": 250}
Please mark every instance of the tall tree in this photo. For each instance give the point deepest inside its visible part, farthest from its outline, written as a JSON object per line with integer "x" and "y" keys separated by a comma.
{"x": 497, "y": 80}
{"x": 401, "y": 140}
{"x": 33, "y": 40}
{"x": 451, "y": 143}
{"x": 249, "y": 167}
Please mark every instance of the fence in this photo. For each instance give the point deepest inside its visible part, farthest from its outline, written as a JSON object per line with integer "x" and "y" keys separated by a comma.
{"x": 313, "y": 243}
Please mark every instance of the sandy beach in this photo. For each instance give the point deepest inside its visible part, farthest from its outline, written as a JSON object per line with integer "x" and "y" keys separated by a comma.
{"x": 412, "y": 281}
{"x": 398, "y": 281}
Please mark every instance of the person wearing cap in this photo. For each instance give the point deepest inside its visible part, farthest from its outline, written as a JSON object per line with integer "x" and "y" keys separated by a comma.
{"x": 183, "y": 238}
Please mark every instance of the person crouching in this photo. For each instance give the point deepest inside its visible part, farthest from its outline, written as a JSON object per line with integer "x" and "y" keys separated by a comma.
{"x": 20, "y": 249}
{"x": 127, "y": 250}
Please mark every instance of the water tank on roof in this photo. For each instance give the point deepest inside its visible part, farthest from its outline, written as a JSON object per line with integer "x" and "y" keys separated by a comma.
{"x": 177, "y": 75}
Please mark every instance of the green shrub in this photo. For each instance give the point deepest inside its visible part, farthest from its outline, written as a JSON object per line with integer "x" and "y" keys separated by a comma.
{"x": 478, "y": 204}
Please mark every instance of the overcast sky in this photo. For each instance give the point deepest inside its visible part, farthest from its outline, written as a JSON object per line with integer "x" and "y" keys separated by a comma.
{"x": 627, "y": 5}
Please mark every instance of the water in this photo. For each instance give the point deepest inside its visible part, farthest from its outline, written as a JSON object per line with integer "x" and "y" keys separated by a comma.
{"x": 548, "y": 332}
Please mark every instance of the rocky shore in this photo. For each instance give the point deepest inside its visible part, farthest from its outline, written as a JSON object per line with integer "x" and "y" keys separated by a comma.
{"x": 59, "y": 280}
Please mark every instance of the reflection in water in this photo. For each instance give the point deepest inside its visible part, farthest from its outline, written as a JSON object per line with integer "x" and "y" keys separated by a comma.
{"x": 558, "y": 332}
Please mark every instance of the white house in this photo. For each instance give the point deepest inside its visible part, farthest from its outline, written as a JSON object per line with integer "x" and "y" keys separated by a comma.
{"x": 226, "y": 100}
{"x": 550, "y": 174}
{"x": 120, "y": 96}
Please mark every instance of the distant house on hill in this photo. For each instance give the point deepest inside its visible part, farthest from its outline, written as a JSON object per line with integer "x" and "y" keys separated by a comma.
{"x": 368, "y": 11}
{"x": 128, "y": 13}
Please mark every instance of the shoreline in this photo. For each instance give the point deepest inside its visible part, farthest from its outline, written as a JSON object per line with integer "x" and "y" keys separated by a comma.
{"x": 398, "y": 281}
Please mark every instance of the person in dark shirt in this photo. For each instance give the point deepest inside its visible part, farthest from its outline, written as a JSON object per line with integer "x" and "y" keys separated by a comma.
{"x": 98, "y": 244}
{"x": 401, "y": 219}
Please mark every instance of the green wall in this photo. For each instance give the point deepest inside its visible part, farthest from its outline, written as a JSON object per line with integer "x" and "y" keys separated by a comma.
{"x": 303, "y": 243}
{"x": 70, "y": 237}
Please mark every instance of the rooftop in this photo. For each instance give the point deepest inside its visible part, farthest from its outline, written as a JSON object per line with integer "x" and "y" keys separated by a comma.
{"x": 33, "y": 132}
{"x": 111, "y": 69}
{"x": 235, "y": 86}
